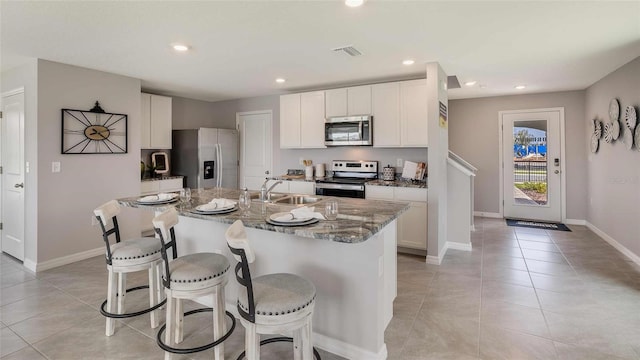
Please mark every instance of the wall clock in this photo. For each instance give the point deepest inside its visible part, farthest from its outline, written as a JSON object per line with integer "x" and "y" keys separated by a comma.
{"x": 93, "y": 132}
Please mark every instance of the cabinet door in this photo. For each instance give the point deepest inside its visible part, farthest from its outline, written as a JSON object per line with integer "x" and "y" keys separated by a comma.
{"x": 302, "y": 187}
{"x": 413, "y": 113}
{"x": 170, "y": 185}
{"x": 373, "y": 192}
{"x": 336, "y": 102}
{"x": 312, "y": 119}
{"x": 145, "y": 121}
{"x": 412, "y": 227}
{"x": 386, "y": 114}
{"x": 160, "y": 122}
{"x": 359, "y": 100}
{"x": 149, "y": 187}
{"x": 290, "y": 121}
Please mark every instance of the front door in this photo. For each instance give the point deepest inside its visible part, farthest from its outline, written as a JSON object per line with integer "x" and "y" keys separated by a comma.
{"x": 532, "y": 162}
{"x": 255, "y": 134}
{"x": 13, "y": 175}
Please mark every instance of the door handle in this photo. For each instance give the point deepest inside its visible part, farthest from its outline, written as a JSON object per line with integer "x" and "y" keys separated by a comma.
{"x": 266, "y": 172}
{"x": 557, "y": 172}
{"x": 21, "y": 185}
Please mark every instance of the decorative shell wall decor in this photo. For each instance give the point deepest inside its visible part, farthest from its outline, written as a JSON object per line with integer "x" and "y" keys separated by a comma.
{"x": 614, "y": 110}
{"x": 627, "y": 138}
{"x": 615, "y": 129}
{"x": 630, "y": 117}
{"x": 608, "y": 132}
{"x": 595, "y": 143}
{"x": 597, "y": 128}
{"x": 636, "y": 138}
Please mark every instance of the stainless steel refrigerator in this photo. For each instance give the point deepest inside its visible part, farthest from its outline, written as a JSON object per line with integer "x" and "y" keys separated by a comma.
{"x": 206, "y": 157}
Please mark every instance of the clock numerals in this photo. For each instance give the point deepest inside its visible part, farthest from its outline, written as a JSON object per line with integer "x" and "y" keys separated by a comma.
{"x": 86, "y": 132}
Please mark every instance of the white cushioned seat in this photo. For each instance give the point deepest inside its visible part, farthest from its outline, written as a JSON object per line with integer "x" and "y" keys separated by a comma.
{"x": 197, "y": 271}
{"x": 279, "y": 294}
{"x": 136, "y": 251}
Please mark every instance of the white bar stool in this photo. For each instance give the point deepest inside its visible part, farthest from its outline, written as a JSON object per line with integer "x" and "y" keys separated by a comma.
{"x": 271, "y": 304}
{"x": 124, "y": 257}
{"x": 190, "y": 277}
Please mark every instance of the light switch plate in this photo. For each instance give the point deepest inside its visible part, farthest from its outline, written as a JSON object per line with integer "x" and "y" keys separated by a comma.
{"x": 399, "y": 162}
{"x": 55, "y": 167}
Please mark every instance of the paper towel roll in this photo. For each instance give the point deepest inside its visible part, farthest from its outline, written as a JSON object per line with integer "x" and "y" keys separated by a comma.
{"x": 320, "y": 170}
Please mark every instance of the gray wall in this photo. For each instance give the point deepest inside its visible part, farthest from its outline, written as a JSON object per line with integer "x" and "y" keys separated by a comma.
{"x": 191, "y": 114}
{"x": 66, "y": 200}
{"x": 614, "y": 171}
{"x": 473, "y": 134}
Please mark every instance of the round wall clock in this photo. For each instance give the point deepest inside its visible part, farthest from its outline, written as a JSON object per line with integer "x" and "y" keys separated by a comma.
{"x": 93, "y": 132}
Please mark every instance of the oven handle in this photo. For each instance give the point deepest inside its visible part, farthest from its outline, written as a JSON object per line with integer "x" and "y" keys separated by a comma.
{"x": 339, "y": 186}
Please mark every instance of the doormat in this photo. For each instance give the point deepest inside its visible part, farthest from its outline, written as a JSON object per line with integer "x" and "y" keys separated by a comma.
{"x": 537, "y": 225}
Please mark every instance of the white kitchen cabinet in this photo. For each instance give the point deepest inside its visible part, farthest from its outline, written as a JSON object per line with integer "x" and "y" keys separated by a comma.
{"x": 154, "y": 187}
{"x": 413, "y": 113}
{"x": 412, "y": 224}
{"x": 302, "y": 120}
{"x": 349, "y": 101}
{"x": 302, "y": 187}
{"x": 156, "y": 121}
{"x": 386, "y": 114}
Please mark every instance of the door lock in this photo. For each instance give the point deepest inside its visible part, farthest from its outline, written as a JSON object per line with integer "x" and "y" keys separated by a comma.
{"x": 21, "y": 185}
{"x": 557, "y": 172}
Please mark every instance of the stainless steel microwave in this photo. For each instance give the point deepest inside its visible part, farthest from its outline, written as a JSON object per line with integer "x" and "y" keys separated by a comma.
{"x": 349, "y": 130}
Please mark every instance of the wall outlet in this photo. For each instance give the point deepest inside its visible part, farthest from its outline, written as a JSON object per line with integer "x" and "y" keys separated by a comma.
{"x": 399, "y": 162}
{"x": 55, "y": 167}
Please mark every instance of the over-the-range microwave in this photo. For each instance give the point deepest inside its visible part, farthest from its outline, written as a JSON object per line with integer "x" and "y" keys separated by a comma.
{"x": 348, "y": 130}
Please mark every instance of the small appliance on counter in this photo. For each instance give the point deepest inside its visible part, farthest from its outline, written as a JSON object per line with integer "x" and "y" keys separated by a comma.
{"x": 320, "y": 171}
{"x": 160, "y": 162}
{"x": 388, "y": 173}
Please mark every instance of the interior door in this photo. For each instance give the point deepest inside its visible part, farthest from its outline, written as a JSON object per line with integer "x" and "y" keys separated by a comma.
{"x": 255, "y": 134}
{"x": 13, "y": 175}
{"x": 531, "y": 151}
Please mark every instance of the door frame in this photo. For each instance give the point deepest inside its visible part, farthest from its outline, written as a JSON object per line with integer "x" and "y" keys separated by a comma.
{"x": 563, "y": 156}
{"x": 241, "y": 144}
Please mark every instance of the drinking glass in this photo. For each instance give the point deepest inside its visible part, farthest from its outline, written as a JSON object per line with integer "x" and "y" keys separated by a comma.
{"x": 331, "y": 210}
{"x": 185, "y": 195}
{"x": 244, "y": 202}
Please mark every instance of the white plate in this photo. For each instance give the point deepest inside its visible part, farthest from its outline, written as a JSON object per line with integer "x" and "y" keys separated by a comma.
{"x": 274, "y": 218}
{"x": 631, "y": 117}
{"x": 215, "y": 212}
{"x": 201, "y": 208}
{"x": 614, "y": 109}
{"x": 303, "y": 223}
{"x": 156, "y": 201}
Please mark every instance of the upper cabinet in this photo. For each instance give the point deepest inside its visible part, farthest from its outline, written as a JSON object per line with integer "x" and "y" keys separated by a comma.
{"x": 302, "y": 120}
{"x": 400, "y": 114}
{"x": 349, "y": 101}
{"x": 156, "y": 122}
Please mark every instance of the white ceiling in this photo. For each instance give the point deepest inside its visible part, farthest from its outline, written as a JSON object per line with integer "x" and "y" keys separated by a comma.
{"x": 240, "y": 47}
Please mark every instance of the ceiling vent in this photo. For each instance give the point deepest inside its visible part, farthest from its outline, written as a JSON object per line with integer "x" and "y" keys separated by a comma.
{"x": 349, "y": 49}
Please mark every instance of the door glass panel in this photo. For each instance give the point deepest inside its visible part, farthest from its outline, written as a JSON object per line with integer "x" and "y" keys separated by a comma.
{"x": 530, "y": 162}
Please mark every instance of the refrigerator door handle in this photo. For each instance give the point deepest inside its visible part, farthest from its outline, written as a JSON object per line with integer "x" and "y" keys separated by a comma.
{"x": 219, "y": 165}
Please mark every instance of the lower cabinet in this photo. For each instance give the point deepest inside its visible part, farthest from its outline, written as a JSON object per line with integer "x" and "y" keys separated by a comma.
{"x": 154, "y": 187}
{"x": 412, "y": 224}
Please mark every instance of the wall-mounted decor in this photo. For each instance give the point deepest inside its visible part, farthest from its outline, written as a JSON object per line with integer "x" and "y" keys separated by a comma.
{"x": 608, "y": 132}
{"x": 630, "y": 117}
{"x": 614, "y": 110}
{"x": 596, "y": 135}
{"x": 627, "y": 138}
{"x": 636, "y": 138}
{"x": 93, "y": 131}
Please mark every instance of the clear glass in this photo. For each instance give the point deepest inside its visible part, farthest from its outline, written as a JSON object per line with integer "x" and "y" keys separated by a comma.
{"x": 185, "y": 195}
{"x": 331, "y": 210}
{"x": 530, "y": 162}
{"x": 244, "y": 202}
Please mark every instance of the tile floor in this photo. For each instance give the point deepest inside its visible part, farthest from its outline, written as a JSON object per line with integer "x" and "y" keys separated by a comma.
{"x": 520, "y": 294}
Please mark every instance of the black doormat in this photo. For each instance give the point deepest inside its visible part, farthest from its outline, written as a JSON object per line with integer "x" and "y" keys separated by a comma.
{"x": 537, "y": 224}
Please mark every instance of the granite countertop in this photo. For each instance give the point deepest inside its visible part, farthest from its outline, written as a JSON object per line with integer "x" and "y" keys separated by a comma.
{"x": 399, "y": 182}
{"x": 358, "y": 219}
{"x": 162, "y": 178}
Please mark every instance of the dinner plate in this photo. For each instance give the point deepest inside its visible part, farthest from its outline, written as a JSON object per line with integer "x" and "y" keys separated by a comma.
{"x": 274, "y": 218}
{"x": 200, "y": 208}
{"x": 631, "y": 117}
{"x": 215, "y": 212}
{"x": 158, "y": 202}
{"x": 303, "y": 223}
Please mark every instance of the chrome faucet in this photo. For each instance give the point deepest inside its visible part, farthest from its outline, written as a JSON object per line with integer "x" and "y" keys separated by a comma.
{"x": 265, "y": 194}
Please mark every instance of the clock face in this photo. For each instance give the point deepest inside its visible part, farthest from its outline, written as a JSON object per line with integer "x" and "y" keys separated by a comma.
{"x": 86, "y": 132}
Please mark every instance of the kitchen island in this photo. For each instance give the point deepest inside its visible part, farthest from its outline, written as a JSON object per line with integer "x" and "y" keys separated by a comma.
{"x": 351, "y": 261}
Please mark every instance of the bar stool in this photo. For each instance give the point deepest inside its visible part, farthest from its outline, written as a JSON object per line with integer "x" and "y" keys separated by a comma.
{"x": 190, "y": 277}
{"x": 271, "y": 304}
{"x": 125, "y": 257}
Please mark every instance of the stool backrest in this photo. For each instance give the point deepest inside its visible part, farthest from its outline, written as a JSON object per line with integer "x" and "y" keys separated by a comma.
{"x": 164, "y": 224}
{"x": 239, "y": 246}
{"x": 107, "y": 213}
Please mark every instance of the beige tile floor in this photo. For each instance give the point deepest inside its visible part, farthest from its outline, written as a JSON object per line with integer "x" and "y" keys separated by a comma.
{"x": 520, "y": 294}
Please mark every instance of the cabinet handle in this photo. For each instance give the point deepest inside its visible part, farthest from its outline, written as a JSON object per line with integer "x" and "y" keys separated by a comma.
{"x": 21, "y": 185}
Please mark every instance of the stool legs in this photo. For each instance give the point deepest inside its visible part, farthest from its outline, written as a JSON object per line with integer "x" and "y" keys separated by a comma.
{"x": 307, "y": 345}
{"x": 252, "y": 342}
{"x": 219, "y": 323}
{"x": 122, "y": 290}
{"x": 153, "y": 295}
{"x": 111, "y": 301}
{"x": 179, "y": 321}
{"x": 169, "y": 334}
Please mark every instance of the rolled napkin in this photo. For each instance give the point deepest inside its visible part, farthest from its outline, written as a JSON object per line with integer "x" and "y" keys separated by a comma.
{"x": 303, "y": 212}
{"x": 159, "y": 197}
{"x": 217, "y": 204}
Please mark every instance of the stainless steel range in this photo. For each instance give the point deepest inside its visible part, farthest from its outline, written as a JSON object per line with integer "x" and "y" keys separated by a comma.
{"x": 348, "y": 178}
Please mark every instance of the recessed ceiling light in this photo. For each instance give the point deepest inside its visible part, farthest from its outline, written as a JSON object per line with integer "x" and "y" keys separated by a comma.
{"x": 353, "y": 3}
{"x": 483, "y": 86}
{"x": 520, "y": 87}
{"x": 180, "y": 47}
{"x": 470, "y": 83}
{"x": 280, "y": 80}
{"x": 408, "y": 62}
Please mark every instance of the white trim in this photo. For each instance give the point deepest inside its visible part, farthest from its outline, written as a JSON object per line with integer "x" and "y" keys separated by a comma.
{"x": 13, "y": 92}
{"x": 458, "y": 246}
{"x": 64, "y": 260}
{"x": 563, "y": 156}
{"x": 575, "y": 222}
{"x": 635, "y": 258}
{"x": 346, "y": 350}
{"x": 459, "y": 166}
{"x": 437, "y": 260}
{"x": 487, "y": 214}
{"x": 240, "y": 145}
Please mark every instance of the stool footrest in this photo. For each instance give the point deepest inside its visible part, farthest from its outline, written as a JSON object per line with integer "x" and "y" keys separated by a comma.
{"x": 128, "y": 315}
{"x": 173, "y": 350}
{"x": 316, "y": 355}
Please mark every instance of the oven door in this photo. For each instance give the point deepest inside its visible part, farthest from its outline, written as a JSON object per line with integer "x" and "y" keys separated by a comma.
{"x": 340, "y": 190}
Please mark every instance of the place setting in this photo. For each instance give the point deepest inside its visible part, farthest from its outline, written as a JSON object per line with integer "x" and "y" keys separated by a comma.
{"x": 158, "y": 199}
{"x": 297, "y": 217}
{"x": 216, "y": 207}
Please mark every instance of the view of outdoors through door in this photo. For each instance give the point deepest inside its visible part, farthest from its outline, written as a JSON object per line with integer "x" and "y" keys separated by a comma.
{"x": 530, "y": 162}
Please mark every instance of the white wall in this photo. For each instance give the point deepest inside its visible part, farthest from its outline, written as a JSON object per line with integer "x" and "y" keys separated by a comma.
{"x": 614, "y": 172}
{"x": 65, "y": 200}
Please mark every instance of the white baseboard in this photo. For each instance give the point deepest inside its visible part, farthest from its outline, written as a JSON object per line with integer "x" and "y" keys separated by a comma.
{"x": 575, "y": 222}
{"x": 487, "y": 214}
{"x": 29, "y": 264}
{"x": 53, "y": 263}
{"x": 347, "y": 351}
{"x": 635, "y": 258}
{"x": 437, "y": 260}
{"x": 458, "y": 246}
